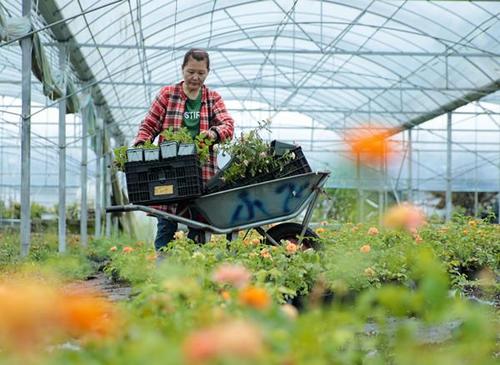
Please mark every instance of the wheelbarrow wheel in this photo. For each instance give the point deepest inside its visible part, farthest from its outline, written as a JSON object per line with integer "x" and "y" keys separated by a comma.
{"x": 291, "y": 231}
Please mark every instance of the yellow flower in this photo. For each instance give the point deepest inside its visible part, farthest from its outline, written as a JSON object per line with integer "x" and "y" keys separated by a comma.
{"x": 369, "y": 272}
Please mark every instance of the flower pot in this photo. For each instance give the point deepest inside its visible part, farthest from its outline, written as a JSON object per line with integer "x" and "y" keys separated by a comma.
{"x": 152, "y": 154}
{"x": 168, "y": 149}
{"x": 186, "y": 149}
{"x": 135, "y": 154}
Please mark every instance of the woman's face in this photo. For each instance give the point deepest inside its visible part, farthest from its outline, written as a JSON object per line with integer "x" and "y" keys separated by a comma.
{"x": 194, "y": 73}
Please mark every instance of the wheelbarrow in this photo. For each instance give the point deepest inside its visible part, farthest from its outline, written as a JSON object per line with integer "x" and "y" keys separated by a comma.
{"x": 252, "y": 207}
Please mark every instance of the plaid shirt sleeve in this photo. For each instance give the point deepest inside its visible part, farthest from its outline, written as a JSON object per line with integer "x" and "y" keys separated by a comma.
{"x": 152, "y": 125}
{"x": 222, "y": 122}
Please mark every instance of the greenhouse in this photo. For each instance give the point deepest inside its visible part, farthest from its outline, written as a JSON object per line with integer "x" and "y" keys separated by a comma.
{"x": 233, "y": 182}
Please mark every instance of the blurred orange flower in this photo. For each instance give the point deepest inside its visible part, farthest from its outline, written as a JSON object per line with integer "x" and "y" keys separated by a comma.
{"x": 265, "y": 253}
{"x": 320, "y": 230}
{"x": 291, "y": 247}
{"x": 113, "y": 249}
{"x": 32, "y": 314}
{"x": 254, "y": 297}
{"x": 236, "y": 340}
{"x": 365, "y": 249}
{"x": 127, "y": 249}
{"x": 232, "y": 274}
{"x": 87, "y": 315}
{"x": 372, "y": 231}
{"x": 405, "y": 216}
{"x": 370, "y": 144}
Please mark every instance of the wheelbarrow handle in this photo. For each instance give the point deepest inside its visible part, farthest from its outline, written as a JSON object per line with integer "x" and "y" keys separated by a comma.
{"x": 121, "y": 208}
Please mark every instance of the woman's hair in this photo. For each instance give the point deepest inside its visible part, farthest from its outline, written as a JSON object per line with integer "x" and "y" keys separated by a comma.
{"x": 198, "y": 54}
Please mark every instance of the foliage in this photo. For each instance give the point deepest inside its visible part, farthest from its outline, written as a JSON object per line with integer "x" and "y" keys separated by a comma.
{"x": 120, "y": 157}
{"x": 252, "y": 155}
{"x": 395, "y": 312}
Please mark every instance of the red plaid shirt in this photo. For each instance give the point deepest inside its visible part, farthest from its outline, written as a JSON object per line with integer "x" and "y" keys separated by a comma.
{"x": 167, "y": 111}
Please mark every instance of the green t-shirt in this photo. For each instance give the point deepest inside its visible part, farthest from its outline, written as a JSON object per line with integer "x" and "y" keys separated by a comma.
{"x": 191, "y": 118}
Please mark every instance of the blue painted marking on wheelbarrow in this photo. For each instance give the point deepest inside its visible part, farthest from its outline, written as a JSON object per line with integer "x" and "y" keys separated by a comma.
{"x": 260, "y": 202}
{"x": 250, "y": 204}
{"x": 292, "y": 193}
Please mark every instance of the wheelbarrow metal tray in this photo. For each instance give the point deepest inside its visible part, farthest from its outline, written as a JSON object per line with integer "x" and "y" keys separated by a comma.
{"x": 261, "y": 203}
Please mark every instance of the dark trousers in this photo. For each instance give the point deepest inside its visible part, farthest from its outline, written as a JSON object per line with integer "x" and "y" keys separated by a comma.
{"x": 166, "y": 230}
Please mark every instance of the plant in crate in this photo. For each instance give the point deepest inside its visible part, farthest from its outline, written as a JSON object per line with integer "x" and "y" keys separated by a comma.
{"x": 120, "y": 157}
{"x": 182, "y": 136}
{"x": 252, "y": 156}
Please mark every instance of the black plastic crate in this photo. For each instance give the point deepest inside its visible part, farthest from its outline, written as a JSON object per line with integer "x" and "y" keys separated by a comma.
{"x": 165, "y": 181}
{"x": 297, "y": 166}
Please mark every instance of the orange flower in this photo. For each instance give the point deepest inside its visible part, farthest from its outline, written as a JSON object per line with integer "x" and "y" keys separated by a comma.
{"x": 255, "y": 241}
{"x": 113, "y": 249}
{"x": 265, "y": 253}
{"x": 26, "y": 315}
{"x": 152, "y": 257}
{"x": 291, "y": 247}
{"x": 254, "y": 297}
{"x": 236, "y": 339}
{"x": 418, "y": 238}
{"x": 232, "y": 274}
{"x": 127, "y": 249}
{"x": 87, "y": 315}
{"x": 370, "y": 144}
{"x": 365, "y": 249}
{"x": 225, "y": 295}
{"x": 320, "y": 230}
{"x": 372, "y": 231}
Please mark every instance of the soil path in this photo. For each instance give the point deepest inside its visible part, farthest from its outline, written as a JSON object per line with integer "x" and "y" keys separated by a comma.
{"x": 103, "y": 285}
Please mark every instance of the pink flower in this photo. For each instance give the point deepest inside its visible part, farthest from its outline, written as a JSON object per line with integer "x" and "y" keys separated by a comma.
{"x": 405, "y": 216}
{"x": 232, "y": 274}
{"x": 236, "y": 340}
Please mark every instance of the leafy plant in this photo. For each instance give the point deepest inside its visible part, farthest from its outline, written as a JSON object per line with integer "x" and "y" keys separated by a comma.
{"x": 252, "y": 155}
{"x": 120, "y": 157}
{"x": 182, "y": 135}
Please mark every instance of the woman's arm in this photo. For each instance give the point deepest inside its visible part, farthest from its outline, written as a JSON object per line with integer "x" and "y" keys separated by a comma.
{"x": 222, "y": 122}
{"x": 152, "y": 125}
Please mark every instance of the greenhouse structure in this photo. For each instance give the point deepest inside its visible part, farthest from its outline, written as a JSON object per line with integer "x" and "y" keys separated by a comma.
{"x": 79, "y": 76}
{"x": 276, "y": 182}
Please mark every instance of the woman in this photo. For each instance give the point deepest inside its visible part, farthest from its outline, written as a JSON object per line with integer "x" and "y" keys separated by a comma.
{"x": 192, "y": 105}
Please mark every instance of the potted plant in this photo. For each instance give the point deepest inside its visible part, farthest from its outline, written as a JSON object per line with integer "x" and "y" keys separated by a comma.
{"x": 135, "y": 154}
{"x": 186, "y": 144}
{"x": 151, "y": 151}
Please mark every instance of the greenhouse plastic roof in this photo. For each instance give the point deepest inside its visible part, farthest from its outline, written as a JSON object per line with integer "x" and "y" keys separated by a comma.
{"x": 343, "y": 63}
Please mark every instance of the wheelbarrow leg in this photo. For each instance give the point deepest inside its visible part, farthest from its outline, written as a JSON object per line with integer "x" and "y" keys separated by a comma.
{"x": 263, "y": 233}
{"x": 308, "y": 215}
{"x": 232, "y": 236}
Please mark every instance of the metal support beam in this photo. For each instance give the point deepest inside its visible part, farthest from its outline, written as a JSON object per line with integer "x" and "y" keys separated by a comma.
{"x": 26, "y": 47}
{"x": 410, "y": 166}
{"x": 62, "y": 154}
{"x": 98, "y": 178}
{"x": 336, "y": 51}
{"x": 107, "y": 191}
{"x": 361, "y": 213}
{"x": 83, "y": 187}
{"x": 449, "y": 206}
